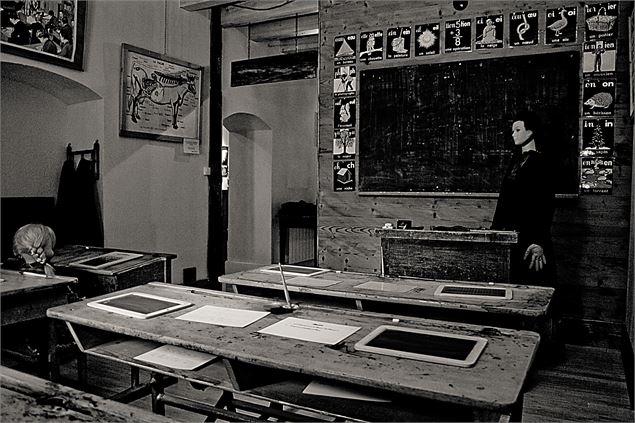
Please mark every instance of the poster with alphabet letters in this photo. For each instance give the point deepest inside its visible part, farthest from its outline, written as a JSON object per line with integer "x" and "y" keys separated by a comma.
{"x": 398, "y": 42}
{"x": 600, "y": 21}
{"x": 427, "y": 39}
{"x": 598, "y": 97}
{"x": 561, "y": 25}
{"x": 523, "y": 28}
{"x": 458, "y": 35}
{"x": 344, "y": 81}
{"x": 371, "y": 46}
{"x": 596, "y": 175}
{"x": 598, "y": 137}
{"x": 344, "y": 112}
{"x": 344, "y": 144}
{"x": 345, "y": 49}
{"x": 598, "y": 58}
{"x": 344, "y": 175}
{"x": 489, "y": 32}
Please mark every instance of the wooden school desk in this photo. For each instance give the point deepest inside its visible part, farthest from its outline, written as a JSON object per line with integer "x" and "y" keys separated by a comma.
{"x": 24, "y": 397}
{"x": 25, "y": 298}
{"x": 254, "y": 360}
{"x": 527, "y": 309}
{"x": 471, "y": 255}
{"x": 148, "y": 267}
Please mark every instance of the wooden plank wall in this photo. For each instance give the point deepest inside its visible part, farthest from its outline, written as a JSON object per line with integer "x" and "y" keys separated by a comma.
{"x": 590, "y": 231}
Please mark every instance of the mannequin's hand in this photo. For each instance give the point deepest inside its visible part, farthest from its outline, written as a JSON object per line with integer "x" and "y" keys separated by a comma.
{"x": 538, "y": 259}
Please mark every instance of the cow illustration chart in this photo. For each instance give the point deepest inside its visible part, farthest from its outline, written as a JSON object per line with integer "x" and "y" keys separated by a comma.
{"x": 161, "y": 97}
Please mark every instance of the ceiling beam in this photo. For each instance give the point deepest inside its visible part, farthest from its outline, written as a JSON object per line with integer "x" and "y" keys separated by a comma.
{"x": 241, "y": 13}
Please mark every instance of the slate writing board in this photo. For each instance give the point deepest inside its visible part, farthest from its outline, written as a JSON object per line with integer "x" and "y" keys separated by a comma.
{"x": 446, "y": 127}
{"x": 139, "y": 305}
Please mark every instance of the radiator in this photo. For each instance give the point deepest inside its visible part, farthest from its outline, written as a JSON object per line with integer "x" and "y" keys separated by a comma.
{"x": 301, "y": 244}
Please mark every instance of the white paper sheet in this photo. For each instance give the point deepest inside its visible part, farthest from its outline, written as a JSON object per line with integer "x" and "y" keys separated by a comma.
{"x": 328, "y": 390}
{"x": 310, "y": 330}
{"x": 312, "y": 282}
{"x": 176, "y": 357}
{"x": 385, "y": 286}
{"x": 223, "y": 316}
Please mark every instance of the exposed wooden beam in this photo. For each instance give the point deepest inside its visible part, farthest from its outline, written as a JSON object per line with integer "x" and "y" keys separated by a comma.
{"x": 240, "y": 13}
{"x": 285, "y": 28}
{"x": 193, "y": 5}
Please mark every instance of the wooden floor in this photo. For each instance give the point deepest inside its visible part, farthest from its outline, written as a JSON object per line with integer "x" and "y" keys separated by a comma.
{"x": 589, "y": 385}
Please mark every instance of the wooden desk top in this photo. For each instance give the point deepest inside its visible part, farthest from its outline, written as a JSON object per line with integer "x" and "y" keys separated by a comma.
{"x": 474, "y": 235}
{"x": 530, "y": 301}
{"x": 20, "y": 283}
{"x": 28, "y": 398}
{"x": 70, "y": 253}
{"x": 493, "y": 383}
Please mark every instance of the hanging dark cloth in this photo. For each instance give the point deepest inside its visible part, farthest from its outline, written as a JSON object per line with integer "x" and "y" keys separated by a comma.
{"x": 78, "y": 212}
{"x": 64, "y": 225}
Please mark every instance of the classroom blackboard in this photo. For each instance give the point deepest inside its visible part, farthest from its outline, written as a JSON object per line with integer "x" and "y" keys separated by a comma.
{"x": 446, "y": 127}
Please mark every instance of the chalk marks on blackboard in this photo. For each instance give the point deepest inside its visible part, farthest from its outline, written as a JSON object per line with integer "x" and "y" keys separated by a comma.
{"x": 523, "y": 28}
{"x": 489, "y": 30}
{"x": 427, "y": 39}
{"x": 458, "y": 35}
{"x": 371, "y": 47}
{"x": 561, "y": 24}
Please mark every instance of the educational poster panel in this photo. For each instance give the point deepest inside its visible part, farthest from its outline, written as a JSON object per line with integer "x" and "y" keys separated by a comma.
{"x": 371, "y": 46}
{"x": 596, "y": 175}
{"x": 458, "y": 35}
{"x": 600, "y": 20}
{"x": 561, "y": 25}
{"x": 344, "y": 81}
{"x": 598, "y": 137}
{"x": 398, "y": 42}
{"x": 427, "y": 39}
{"x": 598, "y": 97}
{"x": 344, "y": 112}
{"x": 598, "y": 58}
{"x": 344, "y": 175}
{"x": 523, "y": 28}
{"x": 344, "y": 144}
{"x": 345, "y": 49}
{"x": 489, "y": 32}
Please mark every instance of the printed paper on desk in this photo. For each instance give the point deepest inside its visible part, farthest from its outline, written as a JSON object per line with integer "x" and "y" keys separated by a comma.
{"x": 176, "y": 357}
{"x": 336, "y": 391}
{"x": 312, "y": 282}
{"x": 385, "y": 286}
{"x": 223, "y": 316}
{"x": 310, "y": 330}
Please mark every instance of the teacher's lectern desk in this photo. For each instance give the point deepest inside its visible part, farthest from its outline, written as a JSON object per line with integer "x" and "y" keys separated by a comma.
{"x": 493, "y": 385}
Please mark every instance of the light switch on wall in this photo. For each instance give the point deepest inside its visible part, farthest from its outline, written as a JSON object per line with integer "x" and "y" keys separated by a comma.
{"x": 207, "y": 171}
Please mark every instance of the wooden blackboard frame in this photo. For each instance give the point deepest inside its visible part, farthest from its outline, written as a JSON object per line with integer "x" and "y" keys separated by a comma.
{"x": 562, "y": 66}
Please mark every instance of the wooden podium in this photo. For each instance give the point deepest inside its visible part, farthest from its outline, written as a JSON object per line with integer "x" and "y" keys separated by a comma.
{"x": 471, "y": 255}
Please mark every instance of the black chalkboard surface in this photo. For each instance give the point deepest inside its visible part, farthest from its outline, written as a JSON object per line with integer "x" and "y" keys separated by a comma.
{"x": 446, "y": 127}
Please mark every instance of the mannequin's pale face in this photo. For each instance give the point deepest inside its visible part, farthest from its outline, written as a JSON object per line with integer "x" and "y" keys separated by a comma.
{"x": 519, "y": 133}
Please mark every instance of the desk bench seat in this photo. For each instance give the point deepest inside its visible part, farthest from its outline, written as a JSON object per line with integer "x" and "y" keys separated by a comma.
{"x": 284, "y": 396}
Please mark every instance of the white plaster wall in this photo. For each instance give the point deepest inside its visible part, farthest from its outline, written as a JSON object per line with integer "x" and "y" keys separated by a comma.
{"x": 289, "y": 109}
{"x": 154, "y": 198}
{"x": 32, "y": 148}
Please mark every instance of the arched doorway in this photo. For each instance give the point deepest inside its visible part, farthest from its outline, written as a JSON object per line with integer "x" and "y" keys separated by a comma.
{"x": 249, "y": 140}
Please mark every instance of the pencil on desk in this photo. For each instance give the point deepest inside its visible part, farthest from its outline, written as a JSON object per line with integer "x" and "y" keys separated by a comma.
{"x": 284, "y": 286}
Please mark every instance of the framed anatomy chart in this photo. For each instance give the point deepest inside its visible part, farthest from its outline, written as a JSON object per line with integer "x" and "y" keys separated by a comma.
{"x": 160, "y": 96}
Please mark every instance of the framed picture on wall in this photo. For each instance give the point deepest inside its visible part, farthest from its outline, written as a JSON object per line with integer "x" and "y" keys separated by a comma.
{"x": 48, "y": 31}
{"x": 160, "y": 96}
